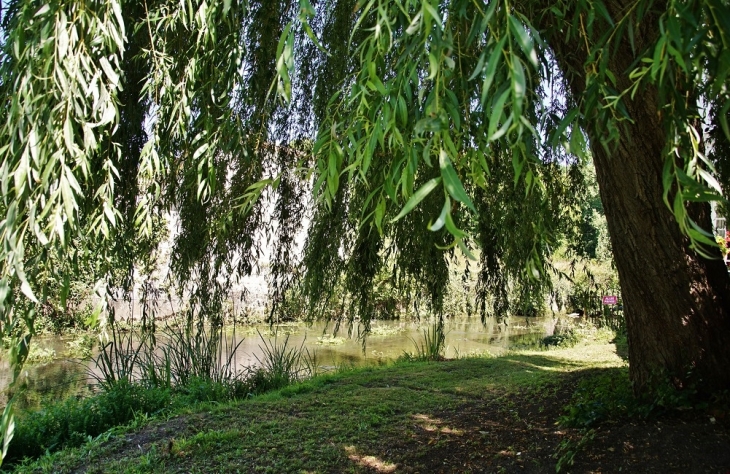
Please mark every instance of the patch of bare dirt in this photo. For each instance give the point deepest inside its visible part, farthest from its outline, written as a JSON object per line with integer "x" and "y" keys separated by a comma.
{"x": 160, "y": 433}
{"x": 686, "y": 442}
{"x": 520, "y": 435}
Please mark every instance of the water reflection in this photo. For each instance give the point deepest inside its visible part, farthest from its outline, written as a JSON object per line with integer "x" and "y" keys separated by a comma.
{"x": 53, "y": 381}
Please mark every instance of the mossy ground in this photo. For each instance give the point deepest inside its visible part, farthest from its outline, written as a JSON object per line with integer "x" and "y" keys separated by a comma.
{"x": 468, "y": 415}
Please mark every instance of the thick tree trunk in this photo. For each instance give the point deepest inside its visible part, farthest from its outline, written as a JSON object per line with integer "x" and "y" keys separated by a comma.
{"x": 677, "y": 304}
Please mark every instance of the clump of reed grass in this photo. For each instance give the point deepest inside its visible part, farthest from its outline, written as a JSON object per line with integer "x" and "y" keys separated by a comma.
{"x": 280, "y": 365}
{"x": 207, "y": 353}
{"x": 182, "y": 354}
{"x": 431, "y": 347}
{"x": 140, "y": 373}
{"x": 120, "y": 357}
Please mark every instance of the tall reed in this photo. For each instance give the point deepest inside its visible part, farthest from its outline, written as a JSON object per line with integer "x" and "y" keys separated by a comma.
{"x": 182, "y": 354}
{"x": 432, "y": 345}
{"x": 280, "y": 364}
{"x": 121, "y": 357}
{"x": 179, "y": 354}
{"x": 207, "y": 353}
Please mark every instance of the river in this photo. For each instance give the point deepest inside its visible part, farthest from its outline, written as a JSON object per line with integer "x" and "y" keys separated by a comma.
{"x": 63, "y": 377}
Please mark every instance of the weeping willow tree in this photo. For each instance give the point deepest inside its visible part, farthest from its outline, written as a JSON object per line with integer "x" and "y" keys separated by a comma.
{"x": 414, "y": 127}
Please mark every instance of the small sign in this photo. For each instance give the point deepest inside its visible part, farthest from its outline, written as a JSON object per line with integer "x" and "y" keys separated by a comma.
{"x": 607, "y": 300}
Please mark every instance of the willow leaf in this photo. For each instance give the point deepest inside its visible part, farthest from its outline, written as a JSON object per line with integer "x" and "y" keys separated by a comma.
{"x": 417, "y": 197}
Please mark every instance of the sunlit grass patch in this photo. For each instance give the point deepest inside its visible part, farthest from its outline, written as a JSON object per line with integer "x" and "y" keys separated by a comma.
{"x": 204, "y": 442}
{"x": 371, "y": 462}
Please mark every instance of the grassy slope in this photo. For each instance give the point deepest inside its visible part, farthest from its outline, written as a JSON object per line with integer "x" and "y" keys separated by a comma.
{"x": 368, "y": 420}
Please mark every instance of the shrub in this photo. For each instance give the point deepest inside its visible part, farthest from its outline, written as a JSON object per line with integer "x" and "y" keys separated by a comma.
{"x": 561, "y": 333}
{"x": 608, "y": 396}
{"x": 599, "y": 397}
{"x": 73, "y": 421}
{"x": 566, "y": 338}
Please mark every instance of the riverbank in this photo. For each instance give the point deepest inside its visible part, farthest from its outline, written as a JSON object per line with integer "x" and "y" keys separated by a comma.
{"x": 494, "y": 414}
{"x": 62, "y": 366}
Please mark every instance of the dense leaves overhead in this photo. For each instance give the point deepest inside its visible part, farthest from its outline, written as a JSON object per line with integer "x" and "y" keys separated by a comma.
{"x": 415, "y": 125}
{"x": 431, "y": 123}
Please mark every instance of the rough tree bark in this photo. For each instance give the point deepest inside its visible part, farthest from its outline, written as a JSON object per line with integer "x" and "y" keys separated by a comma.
{"x": 676, "y": 303}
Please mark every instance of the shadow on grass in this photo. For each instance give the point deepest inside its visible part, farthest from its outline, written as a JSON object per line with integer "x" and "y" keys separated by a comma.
{"x": 468, "y": 415}
{"x": 622, "y": 347}
{"x": 516, "y": 433}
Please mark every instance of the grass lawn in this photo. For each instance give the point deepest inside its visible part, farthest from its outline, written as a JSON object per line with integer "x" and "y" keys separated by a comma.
{"x": 468, "y": 415}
